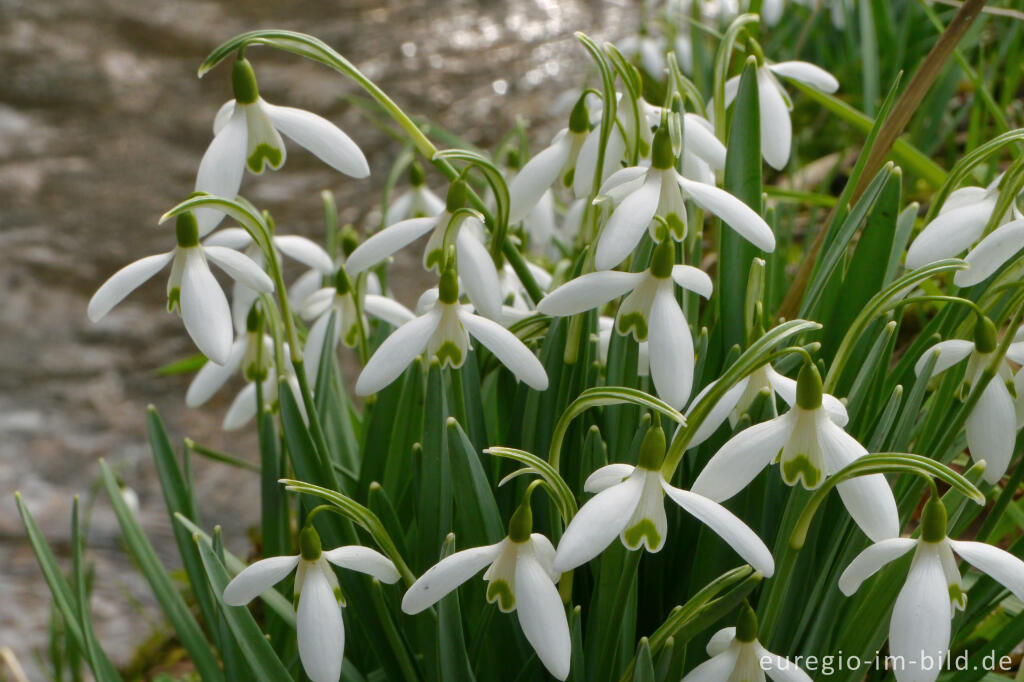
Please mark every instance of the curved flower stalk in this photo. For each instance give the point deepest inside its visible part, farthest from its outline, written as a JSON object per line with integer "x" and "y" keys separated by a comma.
{"x": 809, "y": 446}
{"x": 775, "y": 105}
{"x": 738, "y": 656}
{"x": 651, "y": 313}
{"x": 630, "y": 503}
{"x": 642, "y": 193}
{"x": 933, "y": 590}
{"x": 738, "y": 399}
{"x": 520, "y": 577}
{"x": 992, "y": 424}
{"x": 476, "y": 267}
{"x": 192, "y": 290}
{"x": 443, "y": 332}
{"x": 319, "y": 628}
{"x": 247, "y": 133}
{"x": 960, "y": 223}
{"x": 417, "y": 202}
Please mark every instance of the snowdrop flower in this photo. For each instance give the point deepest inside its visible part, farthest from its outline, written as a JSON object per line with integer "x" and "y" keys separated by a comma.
{"x": 703, "y": 153}
{"x": 319, "y": 627}
{"x": 961, "y": 222}
{"x": 247, "y": 133}
{"x": 418, "y": 202}
{"x": 550, "y": 165}
{"x": 933, "y": 590}
{"x": 775, "y": 105}
{"x": 992, "y": 424}
{"x": 650, "y": 312}
{"x": 991, "y": 253}
{"x": 809, "y": 446}
{"x": 513, "y": 293}
{"x": 738, "y": 656}
{"x": 476, "y": 267}
{"x": 520, "y": 578}
{"x": 338, "y": 300}
{"x": 245, "y": 405}
{"x": 737, "y": 401}
{"x": 630, "y": 505}
{"x": 252, "y": 353}
{"x": 443, "y": 331}
{"x": 643, "y": 193}
{"x": 192, "y": 290}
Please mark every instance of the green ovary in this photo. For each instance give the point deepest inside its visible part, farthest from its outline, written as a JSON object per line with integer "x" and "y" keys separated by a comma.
{"x": 800, "y": 468}
{"x": 263, "y": 152}
{"x": 500, "y": 592}
{"x": 635, "y": 534}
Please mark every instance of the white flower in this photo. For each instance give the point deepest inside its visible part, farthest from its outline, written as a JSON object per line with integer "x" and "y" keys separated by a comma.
{"x": 476, "y": 267}
{"x": 247, "y": 132}
{"x": 630, "y": 505}
{"x": 417, "y": 202}
{"x": 703, "y": 153}
{"x": 319, "y": 627}
{"x": 775, "y": 105}
{"x": 443, "y": 331}
{"x": 809, "y": 446}
{"x": 192, "y": 290}
{"x": 605, "y": 327}
{"x": 513, "y": 293}
{"x": 933, "y": 590}
{"x": 960, "y": 223}
{"x": 643, "y": 193}
{"x": 992, "y": 424}
{"x": 251, "y": 352}
{"x": 738, "y": 399}
{"x": 738, "y": 656}
{"x": 245, "y": 405}
{"x": 651, "y": 313}
{"x": 520, "y": 577}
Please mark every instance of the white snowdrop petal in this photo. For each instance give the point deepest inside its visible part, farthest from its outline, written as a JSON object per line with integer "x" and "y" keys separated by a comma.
{"x": 598, "y": 523}
{"x": 305, "y": 251}
{"x": 509, "y": 350}
{"x": 364, "y": 560}
{"x": 399, "y": 208}
{"x": 727, "y": 526}
{"x": 720, "y": 641}
{"x": 211, "y": 376}
{"x": 742, "y": 458}
{"x": 243, "y": 407}
{"x": 740, "y": 217}
{"x": 990, "y": 253}
{"x": 693, "y": 279}
{"x": 950, "y": 353}
{"x": 321, "y": 137}
{"x": 670, "y": 348}
{"x": 588, "y": 291}
{"x": 447, "y": 574}
{"x": 607, "y": 476}
{"x": 317, "y": 303}
{"x": 257, "y": 578}
{"x": 807, "y": 73}
{"x": 718, "y": 413}
{"x": 785, "y": 388}
{"x": 732, "y": 87}
{"x": 478, "y": 274}
{"x": 701, "y": 141}
{"x": 223, "y": 115}
{"x": 205, "y": 310}
{"x": 314, "y": 348}
{"x": 718, "y": 668}
{"x": 386, "y": 242}
{"x": 240, "y": 268}
{"x": 871, "y": 560}
{"x": 962, "y": 197}
{"x": 319, "y": 629}
{"x": 387, "y": 309}
{"x": 920, "y": 624}
{"x": 395, "y": 354}
{"x": 539, "y": 173}
{"x": 123, "y": 282}
{"x": 992, "y": 429}
{"x": 632, "y": 175}
{"x": 236, "y": 238}
{"x": 626, "y": 226}
{"x": 541, "y": 615}
{"x": 1000, "y": 565}
{"x": 949, "y": 234}
{"x": 221, "y": 168}
{"x": 781, "y": 669}
{"x": 776, "y": 127}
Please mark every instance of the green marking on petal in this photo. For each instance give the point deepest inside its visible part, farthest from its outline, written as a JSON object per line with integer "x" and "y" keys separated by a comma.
{"x": 800, "y": 468}
{"x": 339, "y": 596}
{"x": 174, "y": 300}
{"x": 449, "y": 354}
{"x": 677, "y": 226}
{"x": 644, "y": 529}
{"x": 500, "y": 592}
{"x": 633, "y": 322}
{"x": 957, "y": 597}
{"x": 264, "y": 153}
{"x": 568, "y": 177}
{"x": 352, "y": 336}
{"x": 433, "y": 259}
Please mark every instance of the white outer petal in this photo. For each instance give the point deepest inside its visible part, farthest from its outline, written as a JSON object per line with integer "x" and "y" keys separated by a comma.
{"x": 950, "y": 233}
{"x": 123, "y": 282}
{"x": 598, "y": 523}
{"x": 447, "y": 574}
{"x": 386, "y": 242}
{"x": 807, "y": 73}
{"x": 395, "y": 354}
{"x": 588, "y": 291}
{"x": 364, "y": 560}
{"x": 243, "y": 407}
{"x": 507, "y": 347}
{"x": 204, "y": 309}
{"x": 223, "y": 115}
{"x": 720, "y": 641}
{"x": 871, "y": 560}
{"x": 315, "y": 341}
{"x": 240, "y": 268}
{"x": 319, "y": 628}
{"x": 539, "y": 173}
{"x": 670, "y": 347}
{"x": 607, "y": 476}
{"x": 541, "y": 615}
{"x": 211, "y": 376}
{"x": 785, "y": 388}
{"x": 236, "y": 238}
{"x": 692, "y": 279}
{"x": 1000, "y": 565}
{"x": 743, "y": 457}
{"x": 719, "y": 412}
{"x": 321, "y": 137}
{"x": 388, "y": 310}
{"x": 921, "y": 618}
{"x": 626, "y": 226}
{"x": 727, "y": 526}
{"x": 780, "y": 669}
{"x": 305, "y": 251}
{"x": 718, "y": 668}
{"x": 740, "y": 217}
{"x": 221, "y": 169}
{"x": 990, "y": 253}
{"x": 257, "y": 578}
{"x": 478, "y": 274}
{"x": 992, "y": 429}
{"x": 701, "y": 141}
{"x": 950, "y": 353}
{"x": 776, "y": 127}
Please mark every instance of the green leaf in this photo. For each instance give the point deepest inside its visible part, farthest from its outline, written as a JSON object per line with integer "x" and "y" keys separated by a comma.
{"x": 101, "y": 667}
{"x": 643, "y": 670}
{"x": 434, "y": 517}
{"x": 476, "y": 511}
{"x": 451, "y": 641}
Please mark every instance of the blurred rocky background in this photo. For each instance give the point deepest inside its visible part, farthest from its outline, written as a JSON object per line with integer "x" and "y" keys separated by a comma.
{"x": 102, "y": 125}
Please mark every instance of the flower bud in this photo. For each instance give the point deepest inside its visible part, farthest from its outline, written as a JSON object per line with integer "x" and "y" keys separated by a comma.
{"x": 746, "y": 624}
{"x": 662, "y": 156}
{"x": 243, "y": 82}
{"x": 808, "y": 387}
{"x": 309, "y": 544}
{"x": 933, "y": 520}
{"x": 187, "y": 230}
{"x": 985, "y": 336}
